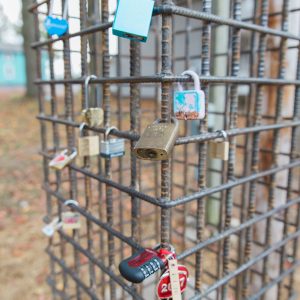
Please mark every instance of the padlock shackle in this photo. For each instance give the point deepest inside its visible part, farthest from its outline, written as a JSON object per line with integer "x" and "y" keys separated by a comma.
{"x": 65, "y": 10}
{"x": 81, "y": 128}
{"x": 195, "y": 77}
{"x": 107, "y": 132}
{"x": 224, "y": 134}
{"x": 173, "y": 119}
{"x": 86, "y": 89}
{"x": 71, "y": 202}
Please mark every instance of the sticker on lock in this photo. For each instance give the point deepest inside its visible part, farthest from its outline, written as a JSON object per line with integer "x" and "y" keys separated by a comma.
{"x": 189, "y": 104}
{"x": 164, "y": 289}
{"x": 70, "y": 220}
{"x": 62, "y": 159}
{"x": 54, "y": 25}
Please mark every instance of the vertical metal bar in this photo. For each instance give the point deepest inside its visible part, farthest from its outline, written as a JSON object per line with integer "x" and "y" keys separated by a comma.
{"x": 121, "y": 165}
{"x": 69, "y": 115}
{"x": 235, "y": 65}
{"x": 166, "y": 68}
{"x": 87, "y": 179}
{"x": 248, "y": 146}
{"x": 135, "y": 53}
{"x": 293, "y": 153}
{"x": 255, "y": 153}
{"x": 187, "y": 63}
{"x": 275, "y": 142}
{"x": 107, "y": 116}
{"x": 202, "y": 166}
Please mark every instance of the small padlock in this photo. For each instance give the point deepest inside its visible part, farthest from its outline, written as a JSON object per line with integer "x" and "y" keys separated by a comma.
{"x": 145, "y": 263}
{"x": 52, "y": 227}
{"x": 219, "y": 148}
{"x": 157, "y": 141}
{"x": 133, "y": 19}
{"x": 93, "y": 116}
{"x": 88, "y": 145}
{"x": 189, "y": 104}
{"x": 110, "y": 148}
{"x": 54, "y": 25}
{"x": 62, "y": 159}
{"x": 71, "y": 219}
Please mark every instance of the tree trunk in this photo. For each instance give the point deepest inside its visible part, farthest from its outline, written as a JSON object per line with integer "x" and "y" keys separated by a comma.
{"x": 30, "y": 57}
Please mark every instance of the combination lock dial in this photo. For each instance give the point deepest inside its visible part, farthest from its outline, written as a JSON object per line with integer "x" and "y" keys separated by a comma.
{"x": 141, "y": 265}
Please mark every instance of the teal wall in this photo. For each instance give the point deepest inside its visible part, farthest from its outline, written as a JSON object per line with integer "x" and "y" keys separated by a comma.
{"x": 12, "y": 68}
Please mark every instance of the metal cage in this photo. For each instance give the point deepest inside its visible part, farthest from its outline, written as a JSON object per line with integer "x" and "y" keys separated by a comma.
{"x": 235, "y": 224}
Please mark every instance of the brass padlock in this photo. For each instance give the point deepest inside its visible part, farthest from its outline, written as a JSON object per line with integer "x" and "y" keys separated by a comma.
{"x": 219, "y": 148}
{"x": 93, "y": 116}
{"x": 157, "y": 141}
{"x": 88, "y": 145}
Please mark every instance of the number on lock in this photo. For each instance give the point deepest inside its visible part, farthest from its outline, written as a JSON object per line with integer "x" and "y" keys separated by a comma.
{"x": 133, "y": 19}
{"x": 157, "y": 141}
{"x": 189, "y": 104}
{"x": 145, "y": 263}
{"x": 110, "y": 148}
{"x": 164, "y": 288}
{"x": 88, "y": 145}
{"x": 54, "y": 25}
{"x": 93, "y": 116}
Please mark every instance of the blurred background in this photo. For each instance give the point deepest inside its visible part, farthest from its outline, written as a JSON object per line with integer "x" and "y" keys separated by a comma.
{"x": 23, "y": 264}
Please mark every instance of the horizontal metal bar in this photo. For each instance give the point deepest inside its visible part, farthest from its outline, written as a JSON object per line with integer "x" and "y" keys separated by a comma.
{"x": 275, "y": 281}
{"x": 246, "y": 224}
{"x": 185, "y": 12}
{"x": 98, "y": 263}
{"x": 89, "y": 216}
{"x": 230, "y": 184}
{"x": 181, "y": 11}
{"x": 182, "y": 200}
{"x": 72, "y": 274}
{"x": 180, "y": 141}
{"x": 246, "y": 266}
{"x": 159, "y": 78}
{"x": 88, "y": 30}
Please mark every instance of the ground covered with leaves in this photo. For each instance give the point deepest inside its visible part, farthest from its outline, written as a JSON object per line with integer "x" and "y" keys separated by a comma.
{"x": 23, "y": 263}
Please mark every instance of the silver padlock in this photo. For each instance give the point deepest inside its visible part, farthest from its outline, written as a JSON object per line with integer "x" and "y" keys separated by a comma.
{"x": 110, "y": 148}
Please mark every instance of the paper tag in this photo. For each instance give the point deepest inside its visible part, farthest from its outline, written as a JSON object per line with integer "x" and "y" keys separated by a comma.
{"x": 174, "y": 278}
{"x": 50, "y": 229}
{"x": 70, "y": 220}
{"x": 163, "y": 288}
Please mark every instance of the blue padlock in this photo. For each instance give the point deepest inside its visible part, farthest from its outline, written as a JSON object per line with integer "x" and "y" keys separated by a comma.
{"x": 54, "y": 25}
{"x": 189, "y": 104}
{"x": 133, "y": 19}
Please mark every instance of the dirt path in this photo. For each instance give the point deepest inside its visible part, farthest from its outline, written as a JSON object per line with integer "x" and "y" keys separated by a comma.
{"x": 23, "y": 263}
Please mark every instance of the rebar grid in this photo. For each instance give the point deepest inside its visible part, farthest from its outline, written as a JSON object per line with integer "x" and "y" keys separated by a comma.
{"x": 234, "y": 224}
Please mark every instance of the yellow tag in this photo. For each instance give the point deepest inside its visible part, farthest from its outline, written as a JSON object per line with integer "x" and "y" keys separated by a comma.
{"x": 174, "y": 278}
